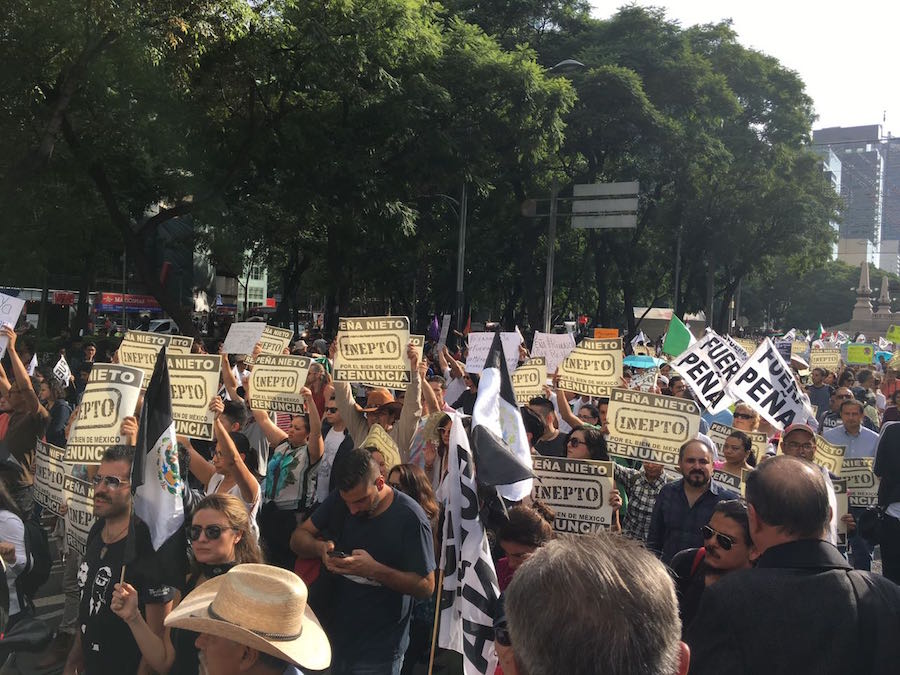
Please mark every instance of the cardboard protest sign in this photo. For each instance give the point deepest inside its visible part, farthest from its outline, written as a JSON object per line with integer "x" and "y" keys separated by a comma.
{"x": 79, "y": 496}
{"x": 554, "y": 347}
{"x": 862, "y": 484}
{"x": 275, "y": 340}
{"x": 577, "y": 490}
{"x": 829, "y": 456}
{"x": 193, "y": 381}
{"x": 707, "y": 366}
{"x": 719, "y": 432}
{"x": 418, "y": 343}
{"x": 528, "y": 379}
{"x": 606, "y": 333}
{"x": 641, "y": 350}
{"x": 179, "y": 344}
{"x": 593, "y": 368}
{"x": 893, "y": 335}
{"x": 62, "y": 372}
{"x": 799, "y": 347}
{"x": 738, "y": 348}
{"x": 860, "y": 354}
{"x": 445, "y": 330}
{"x": 111, "y": 395}
{"x": 49, "y": 476}
{"x": 139, "y": 349}
{"x": 841, "y": 497}
{"x": 749, "y": 346}
{"x": 767, "y": 385}
{"x": 644, "y": 381}
{"x": 372, "y": 350}
{"x": 10, "y": 309}
{"x": 829, "y": 359}
{"x": 276, "y": 382}
{"x": 650, "y": 426}
{"x": 728, "y": 481}
{"x": 243, "y": 336}
{"x": 480, "y": 345}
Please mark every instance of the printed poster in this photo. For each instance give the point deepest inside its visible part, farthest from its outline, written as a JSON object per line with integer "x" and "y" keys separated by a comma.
{"x": 577, "y": 490}
{"x": 139, "y": 349}
{"x": 372, "y": 350}
{"x": 111, "y": 395}
{"x": 276, "y": 381}
{"x": 528, "y": 380}
{"x": 593, "y": 368}
{"x": 193, "y": 381}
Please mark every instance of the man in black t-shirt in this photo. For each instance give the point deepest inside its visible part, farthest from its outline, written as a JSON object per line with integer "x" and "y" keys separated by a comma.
{"x": 103, "y": 642}
{"x": 553, "y": 442}
{"x": 380, "y": 548}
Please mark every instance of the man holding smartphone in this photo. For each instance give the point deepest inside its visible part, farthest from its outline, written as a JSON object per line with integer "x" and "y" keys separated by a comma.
{"x": 383, "y": 557}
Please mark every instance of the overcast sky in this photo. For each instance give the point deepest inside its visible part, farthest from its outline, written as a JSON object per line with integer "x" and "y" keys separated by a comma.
{"x": 846, "y": 53}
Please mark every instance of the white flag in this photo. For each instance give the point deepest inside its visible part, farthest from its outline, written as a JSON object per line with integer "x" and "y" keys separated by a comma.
{"x": 62, "y": 372}
{"x": 707, "y": 366}
{"x": 470, "y": 591}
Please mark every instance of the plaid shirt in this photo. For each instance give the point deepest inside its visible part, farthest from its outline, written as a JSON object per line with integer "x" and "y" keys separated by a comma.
{"x": 675, "y": 525}
{"x": 642, "y": 495}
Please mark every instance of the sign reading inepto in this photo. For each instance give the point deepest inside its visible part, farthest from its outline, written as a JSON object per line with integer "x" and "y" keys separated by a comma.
{"x": 528, "y": 379}
{"x": 372, "y": 350}
{"x": 276, "y": 382}
{"x": 193, "y": 381}
{"x": 593, "y": 368}
{"x": 577, "y": 490}
{"x": 650, "y": 426}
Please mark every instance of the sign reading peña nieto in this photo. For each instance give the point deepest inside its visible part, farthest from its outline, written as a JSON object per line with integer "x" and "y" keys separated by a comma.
{"x": 372, "y": 350}
{"x": 276, "y": 382}
{"x": 577, "y": 490}
{"x": 593, "y": 368}
{"x": 193, "y": 381}
{"x": 650, "y": 427}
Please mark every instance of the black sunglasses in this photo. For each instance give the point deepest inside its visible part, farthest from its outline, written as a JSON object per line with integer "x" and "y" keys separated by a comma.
{"x": 723, "y": 540}
{"x": 212, "y": 532}
{"x": 743, "y": 416}
{"x": 501, "y": 636}
{"x": 331, "y": 410}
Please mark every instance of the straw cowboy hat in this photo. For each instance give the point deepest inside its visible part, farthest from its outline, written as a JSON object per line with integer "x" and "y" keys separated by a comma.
{"x": 259, "y": 606}
{"x": 379, "y": 398}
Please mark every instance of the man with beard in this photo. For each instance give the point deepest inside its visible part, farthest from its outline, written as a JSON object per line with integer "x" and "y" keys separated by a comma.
{"x": 377, "y": 543}
{"x": 103, "y": 642}
{"x": 686, "y": 505}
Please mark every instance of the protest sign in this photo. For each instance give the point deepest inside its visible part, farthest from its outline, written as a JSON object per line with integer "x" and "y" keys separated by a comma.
{"x": 650, "y": 426}
{"x": 641, "y": 350}
{"x": 644, "y": 380}
{"x": 61, "y": 371}
{"x": 528, "y": 379}
{"x": 243, "y": 336}
{"x": 783, "y": 347}
{"x": 577, "y": 490}
{"x": 554, "y": 347}
{"x": 799, "y": 347}
{"x": 728, "y": 481}
{"x": 445, "y": 330}
{"x": 276, "y": 382}
{"x": 738, "y": 349}
{"x": 274, "y": 340}
{"x": 860, "y": 354}
{"x": 49, "y": 475}
{"x": 79, "y": 496}
{"x": 749, "y": 346}
{"x": 606, "y": 333}
{"x": 719, "y": 432}
{"x": 372, "y": 350}
{"x": 829, "y": 456}
{"x": 893, "y": 334}
{"x": 841, "y": 497}
{"x": 593, "y": 368}
{"x": 862, "y": 484}
{"x": 418, "y": 343}
{"x": 829, "y": 359}
{"x": 480, "y": 345}
{"x": 179, "y": 344}
{"x": 111, "y": 395}
{"x": 193, "y": 381}
{"x": 707, "y": 366}
{"x": 767, "y": 385}
{"x": 10, "y": 309}
{"x": 139, "y": 349}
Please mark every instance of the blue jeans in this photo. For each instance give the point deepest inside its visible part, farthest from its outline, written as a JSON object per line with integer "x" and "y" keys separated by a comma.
{"x": 860, "y": 550}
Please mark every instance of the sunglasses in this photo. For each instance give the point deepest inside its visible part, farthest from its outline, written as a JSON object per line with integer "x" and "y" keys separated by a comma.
{"x": 212, "y": 532}
{"x": 575, "y": 441}
{"x": 723, "y": 540}
{"x": 501, "y": 636}
{"x": 111, "y": 482}
{"x": 743, "y": 416}
{"x": 331, "y": 410}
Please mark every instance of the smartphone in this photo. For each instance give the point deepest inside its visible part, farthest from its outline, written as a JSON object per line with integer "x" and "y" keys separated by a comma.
{"x": 337, "y": 554}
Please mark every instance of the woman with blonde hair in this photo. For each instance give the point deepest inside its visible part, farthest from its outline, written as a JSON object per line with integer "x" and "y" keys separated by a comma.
{"x": 221, "y": 537}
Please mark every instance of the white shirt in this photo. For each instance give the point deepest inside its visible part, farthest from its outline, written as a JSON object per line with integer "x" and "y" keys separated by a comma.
{"x": 235, "y": 490}
{"x": 333, "y": 440}
{"x": 12, "y": 531}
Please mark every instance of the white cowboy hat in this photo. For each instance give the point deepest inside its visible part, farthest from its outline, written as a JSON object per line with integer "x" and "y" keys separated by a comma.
{"x": 259, "y": 606}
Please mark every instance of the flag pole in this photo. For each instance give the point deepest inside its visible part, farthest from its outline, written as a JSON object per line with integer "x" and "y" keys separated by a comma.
{"x": 437, "y": 619}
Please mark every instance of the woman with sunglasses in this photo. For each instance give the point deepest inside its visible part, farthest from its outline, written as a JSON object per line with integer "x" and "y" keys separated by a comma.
{"x": 587, "y": 442}
{"x": 726, "y": 547}
{"x": 220, "y": 539}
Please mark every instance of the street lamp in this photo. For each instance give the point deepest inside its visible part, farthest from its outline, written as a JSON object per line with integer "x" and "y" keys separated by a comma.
{"x": 461, "y": 207}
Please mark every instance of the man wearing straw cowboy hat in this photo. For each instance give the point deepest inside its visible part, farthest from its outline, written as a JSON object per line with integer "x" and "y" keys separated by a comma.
{"x": 253, "y": 620}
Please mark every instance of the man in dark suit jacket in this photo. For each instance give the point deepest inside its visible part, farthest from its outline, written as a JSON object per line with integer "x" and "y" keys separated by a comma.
{"x": 803, "y": 609}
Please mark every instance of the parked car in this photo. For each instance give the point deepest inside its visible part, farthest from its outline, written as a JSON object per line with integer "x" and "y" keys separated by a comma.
{"x": 166, "y": 326}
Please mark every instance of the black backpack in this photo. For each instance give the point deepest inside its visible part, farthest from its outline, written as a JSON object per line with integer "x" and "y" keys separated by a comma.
{"x": 37, "y": 569}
